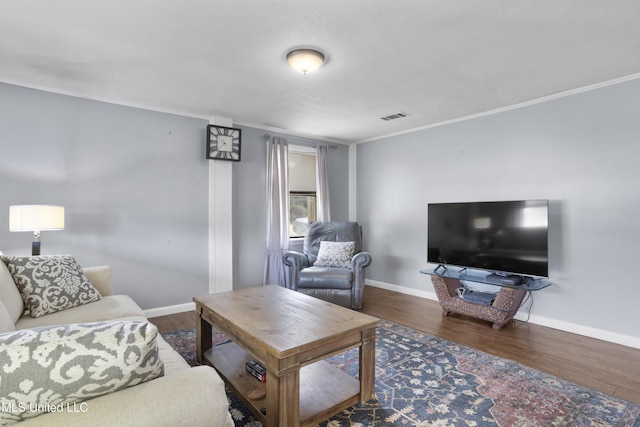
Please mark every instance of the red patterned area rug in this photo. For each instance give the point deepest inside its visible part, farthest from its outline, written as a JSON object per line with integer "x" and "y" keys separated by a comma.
{"x": 422, "y": 380}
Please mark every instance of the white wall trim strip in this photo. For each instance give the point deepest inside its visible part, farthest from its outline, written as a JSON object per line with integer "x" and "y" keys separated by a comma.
{"x": 353, "y": 183}
{"x": 172, "y": 309}
{"x": 220, "y": 221}
{"x": 586, "y": 331}
{"x": 573, "y": 328}
{"x": 402, "y": 289}
{"x": 510, "y": 107}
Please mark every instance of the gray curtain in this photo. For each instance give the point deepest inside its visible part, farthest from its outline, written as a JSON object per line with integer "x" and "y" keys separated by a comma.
{"x": 323, "y": 209}
{"x": 277, "y": 211}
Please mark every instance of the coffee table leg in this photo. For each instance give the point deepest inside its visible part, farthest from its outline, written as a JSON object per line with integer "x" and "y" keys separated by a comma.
{"x": 283, "y": 399}
{"x": 368, "y": 365}
{"x": 203, "y": 338}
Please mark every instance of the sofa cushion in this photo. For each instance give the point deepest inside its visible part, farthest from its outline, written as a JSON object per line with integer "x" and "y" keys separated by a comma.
{"x": 46, "y": 369}
{"x": 114, "y": 307}
{"x": 50, "y": 283}
{"x": 6, "y": 322}
{"x": 192, "y": 397}
{"x": 9, "y": 293}
{"x": 171, "y": 359}
{"x": 335, "y": 254}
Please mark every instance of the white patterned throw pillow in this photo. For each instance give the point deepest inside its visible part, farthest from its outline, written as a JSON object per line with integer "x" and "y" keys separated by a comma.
{"x": 50, "y": 368}
{"x": 49, "y": 284}
{"x": 335, "y": 254}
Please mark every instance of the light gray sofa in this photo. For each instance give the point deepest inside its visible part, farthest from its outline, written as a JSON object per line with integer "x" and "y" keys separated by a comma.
{"x": 182, "y": 396}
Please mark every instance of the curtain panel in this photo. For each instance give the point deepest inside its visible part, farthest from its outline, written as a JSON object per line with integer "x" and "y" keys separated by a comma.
{"x": 277, "y": 211}
{"x": 322, "y": 183}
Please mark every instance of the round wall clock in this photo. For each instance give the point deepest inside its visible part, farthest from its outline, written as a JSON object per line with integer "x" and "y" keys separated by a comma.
{"x": 223, "y": 143}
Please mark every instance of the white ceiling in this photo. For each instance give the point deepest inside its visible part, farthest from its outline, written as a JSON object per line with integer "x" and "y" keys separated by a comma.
{"x": 436, "y": 60}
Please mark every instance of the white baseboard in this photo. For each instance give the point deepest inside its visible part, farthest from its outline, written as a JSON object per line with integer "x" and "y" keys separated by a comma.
{"x": 573, "y": 328}
{"x": 402, "y": 289}
{"x": 172, "y": 309}
{"x": 587, "y": 331}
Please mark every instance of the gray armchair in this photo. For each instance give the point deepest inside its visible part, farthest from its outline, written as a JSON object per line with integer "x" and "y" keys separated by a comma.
{"x": 339, "y": 285}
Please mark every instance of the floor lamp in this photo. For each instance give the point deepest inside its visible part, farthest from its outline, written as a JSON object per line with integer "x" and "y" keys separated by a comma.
{"x": 36, "y": 218}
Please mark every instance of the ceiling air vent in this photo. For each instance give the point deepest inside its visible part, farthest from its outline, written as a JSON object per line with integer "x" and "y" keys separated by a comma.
{"x": 395, "y": 116}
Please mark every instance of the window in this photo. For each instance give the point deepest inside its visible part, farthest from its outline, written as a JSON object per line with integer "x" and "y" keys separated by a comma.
{"x": 302, "y": 189}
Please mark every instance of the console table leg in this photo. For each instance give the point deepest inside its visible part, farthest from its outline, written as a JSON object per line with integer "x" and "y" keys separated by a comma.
{"x": 498, "y": 325}
{"x": 283, "y": 399}
{"x": 368, "y": 365}
{"x": 204, "y": 340}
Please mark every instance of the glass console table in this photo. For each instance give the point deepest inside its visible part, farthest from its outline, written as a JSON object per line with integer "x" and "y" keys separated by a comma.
{"x": 528, "y": 283}
{"x": 500, "y": 312}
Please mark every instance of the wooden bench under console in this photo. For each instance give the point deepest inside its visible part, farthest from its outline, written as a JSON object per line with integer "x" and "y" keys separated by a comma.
{"x": 500, "y": 312}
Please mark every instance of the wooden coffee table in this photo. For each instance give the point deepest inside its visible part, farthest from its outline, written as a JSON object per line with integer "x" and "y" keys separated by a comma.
{"x": 289, "y": 333}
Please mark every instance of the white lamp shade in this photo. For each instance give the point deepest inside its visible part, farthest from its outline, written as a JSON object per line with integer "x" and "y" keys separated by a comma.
{"x": 36, "y": 218}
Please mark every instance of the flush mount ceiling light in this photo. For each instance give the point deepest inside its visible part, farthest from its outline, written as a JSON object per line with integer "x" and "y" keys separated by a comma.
{"x": 305, "y": 60}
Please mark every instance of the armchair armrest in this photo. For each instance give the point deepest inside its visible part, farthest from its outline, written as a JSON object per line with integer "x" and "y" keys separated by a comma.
{"x": 296, "y": 261}
{"x": 359, "y": 262}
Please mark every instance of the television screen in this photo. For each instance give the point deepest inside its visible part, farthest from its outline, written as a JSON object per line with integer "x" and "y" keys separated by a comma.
{"x": 503, "y": 237}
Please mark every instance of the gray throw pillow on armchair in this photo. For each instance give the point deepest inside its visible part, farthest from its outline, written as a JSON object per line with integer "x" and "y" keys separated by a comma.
{"x": 335, "y": 254}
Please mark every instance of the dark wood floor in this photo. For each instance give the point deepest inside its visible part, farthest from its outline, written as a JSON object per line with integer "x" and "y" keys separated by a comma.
{"x": 611, "y": 368}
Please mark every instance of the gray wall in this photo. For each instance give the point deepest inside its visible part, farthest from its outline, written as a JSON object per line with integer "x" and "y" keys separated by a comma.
{"x": 580, "y": 152}
{"x": 134, "y": 184}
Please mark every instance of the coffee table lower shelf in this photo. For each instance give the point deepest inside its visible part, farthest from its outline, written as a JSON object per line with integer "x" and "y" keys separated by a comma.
{"x": 324, "y": 389}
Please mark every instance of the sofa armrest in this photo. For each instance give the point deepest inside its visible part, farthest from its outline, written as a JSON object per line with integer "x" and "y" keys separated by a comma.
{"x": 194, "y": 396}
{"x": 100, "y": 278}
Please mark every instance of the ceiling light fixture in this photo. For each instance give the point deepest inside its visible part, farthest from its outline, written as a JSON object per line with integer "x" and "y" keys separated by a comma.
{"x": 305, "y": 60}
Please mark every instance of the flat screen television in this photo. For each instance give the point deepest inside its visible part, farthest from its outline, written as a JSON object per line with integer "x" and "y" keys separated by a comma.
{"x": 506, "y": 237}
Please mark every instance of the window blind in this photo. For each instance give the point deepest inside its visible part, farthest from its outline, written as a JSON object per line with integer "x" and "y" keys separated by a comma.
{"x": 302, "y": 171}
